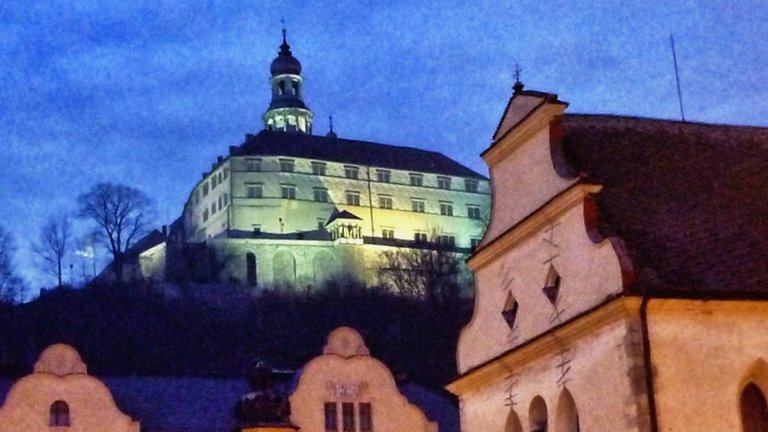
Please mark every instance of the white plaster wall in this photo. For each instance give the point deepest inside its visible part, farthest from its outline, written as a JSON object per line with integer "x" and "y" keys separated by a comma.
{"x": 702, "y": 354}
{"x": 589, "y": 273}
{"x": 522, "y": 183}
{"x": 597, "y": 379}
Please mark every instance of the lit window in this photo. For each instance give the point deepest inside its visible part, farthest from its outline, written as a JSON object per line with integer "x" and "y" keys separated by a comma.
{"x": 353, "y": 198}
{"x": 366, "y": 417}
{"x": 197, "y": 196}
{"x": 383, "y": 176}
{"x": 318, "y": 168}
{"x": 446, "y": 240}
{"x": 286, "y": 165}
{"x": 253, "y": 164}
{"x": 214, "y": 182}
{"x": 474, "y": 242}
{"x": 253, "y": 190}
{"x": 226, "y": 173}
{"x": 388, "y": 233}
{"x": 470, "y": 185}
{"x": 416, "y": 179}
{"x": 205, "y": 215}
{"x": 473, "y": 212}
{"x": 351, "y": 172}
{"x": 221, "y": 176}
{"x": 331, "y": 420}
{"x": 213, "y": 208}
{"x": 385, "y": 201}
{"x": 205, "y": 189}
{"x": 444, "y": 182}
{"x": 420, "y": 237}
{"x": 348, "y": 416}
{"x": 226, "y": 198}
{"x": 321, "y": 194}
{"x": 417, "y": 205}
{"x": 446, "y": 209}
{"x": 59, "y": 414}
{"x": 221, "y": 202}
{"x": 288, "y": 191}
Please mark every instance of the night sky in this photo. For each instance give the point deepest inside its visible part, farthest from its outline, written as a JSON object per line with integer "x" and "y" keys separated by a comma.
{"x": 148, "y": 93}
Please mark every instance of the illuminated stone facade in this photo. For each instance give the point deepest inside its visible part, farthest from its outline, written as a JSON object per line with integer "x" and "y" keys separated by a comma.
{"x": 286, "y": 207}
{"x": 602, "y": 303}
{"x": 60, "y": 396}
{"x": 345, "y": 389}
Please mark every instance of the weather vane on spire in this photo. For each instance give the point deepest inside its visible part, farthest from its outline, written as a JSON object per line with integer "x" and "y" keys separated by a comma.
{"x": 518, "y": 86}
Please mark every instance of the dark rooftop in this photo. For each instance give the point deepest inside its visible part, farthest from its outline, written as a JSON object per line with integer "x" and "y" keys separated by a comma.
{"x": 275, "y": 143}
{"x": 689, "y": 200}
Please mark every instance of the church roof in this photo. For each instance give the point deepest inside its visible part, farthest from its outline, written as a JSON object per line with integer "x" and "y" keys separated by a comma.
{"x": 275, "y": 143}
{"x": 689, "y": 200}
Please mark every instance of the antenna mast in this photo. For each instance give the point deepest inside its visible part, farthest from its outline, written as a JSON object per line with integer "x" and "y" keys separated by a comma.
{"x": 677, "y": 78}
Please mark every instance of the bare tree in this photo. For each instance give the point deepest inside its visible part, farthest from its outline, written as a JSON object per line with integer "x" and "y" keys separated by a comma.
{"x": 52, "y": 245}
{"x": 122, "y": 214}
{"x": 11, "y": 285}
{"x": 430, "y": 271}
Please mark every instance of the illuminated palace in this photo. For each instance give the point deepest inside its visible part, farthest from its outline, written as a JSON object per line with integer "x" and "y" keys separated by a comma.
{"x": 289, "y": 207}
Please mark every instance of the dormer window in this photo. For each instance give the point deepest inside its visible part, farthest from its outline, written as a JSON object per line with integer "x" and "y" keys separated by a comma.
{"x": 552, "y": 284}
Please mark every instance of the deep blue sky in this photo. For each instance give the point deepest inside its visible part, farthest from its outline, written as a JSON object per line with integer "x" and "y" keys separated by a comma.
{"x": 148, "y": 93}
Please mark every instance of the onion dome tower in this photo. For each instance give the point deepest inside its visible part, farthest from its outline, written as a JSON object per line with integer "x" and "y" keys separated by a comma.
{"x": 287, "y": 111}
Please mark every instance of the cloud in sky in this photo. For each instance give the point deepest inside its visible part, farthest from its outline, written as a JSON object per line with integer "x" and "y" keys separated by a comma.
{"x": 148, "y": 93}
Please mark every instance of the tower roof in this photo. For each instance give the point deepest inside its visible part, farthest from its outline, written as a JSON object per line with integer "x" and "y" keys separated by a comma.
{"x": 285, "y": 62}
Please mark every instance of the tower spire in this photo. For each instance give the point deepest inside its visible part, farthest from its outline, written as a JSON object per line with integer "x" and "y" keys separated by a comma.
{"x": 517, "y": 87}
{"x": 282, "y": 21}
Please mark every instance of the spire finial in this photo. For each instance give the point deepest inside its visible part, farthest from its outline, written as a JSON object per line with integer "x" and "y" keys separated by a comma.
{"x": 282, "y": 21}
{"x": 518, "y": 86}
{"x": 331, "y": 133}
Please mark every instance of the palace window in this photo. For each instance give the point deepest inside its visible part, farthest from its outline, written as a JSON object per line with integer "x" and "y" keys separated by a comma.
{"x": 353, "y": 198}
{"x": 351, "y": 172}
{"x": 444, "y": 182}
{"x": 383, "y": 176}
{"x": 286, "y": 165}
{"x": 416, "y": 179}
{"x": 253, "y": 190}
{"x": 420, "y": 237}
{"x": 205, "y": 215}
{"x": 226, "y": 173}
{"x": 318, "y": 168}
{"x": 250, "y": 269}
{"x": 214, "y": 182}
{"x": 473, "y": 212}
{"x": 225, "y": 198}
{"x": 387, "y": 233}
{"x": 417, "y": 205}
{"x": 253, "y": 164}
{"x": 446, "y": 240}
{"x": 470, "y": 185}
{"x": 446, "y": 208}
{"x": 385, "y": 201}
{"x": 221, "y": 202}
{"x": 213, "y": 208}
{"x": 288, "y": 191}
{"x": 321, "y": 194}
{"x": 197, "y": 196}
{"x": 474, "y": 242}
{"x": 59, "y": 414}
{"x": 205, "y": 189}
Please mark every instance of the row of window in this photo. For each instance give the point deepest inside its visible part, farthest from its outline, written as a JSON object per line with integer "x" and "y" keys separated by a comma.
{"x": 215, "y": 180}
{"x": 418, "y": 205}
{"x": 350, "y": 422}
{"x": 353, "y": 172}
{"x": 218, "y": 205}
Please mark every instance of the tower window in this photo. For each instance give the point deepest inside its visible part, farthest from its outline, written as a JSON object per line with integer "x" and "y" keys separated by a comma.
{"x": 281, "y": 88}
{"x": 59, "y": 414}
{"x": 295, "y": 88}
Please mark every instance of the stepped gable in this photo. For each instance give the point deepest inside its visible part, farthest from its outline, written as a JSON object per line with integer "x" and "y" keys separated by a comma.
{"x": 689, "y": 200}
{"x": 276, "y": 143}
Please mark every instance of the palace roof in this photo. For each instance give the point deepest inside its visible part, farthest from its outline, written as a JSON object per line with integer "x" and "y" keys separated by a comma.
{"x": 324, "y": 148}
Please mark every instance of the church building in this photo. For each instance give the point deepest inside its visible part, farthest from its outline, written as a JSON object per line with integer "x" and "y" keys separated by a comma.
{"x": 289, "y": 207}
{"x": 622, "y": 284}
